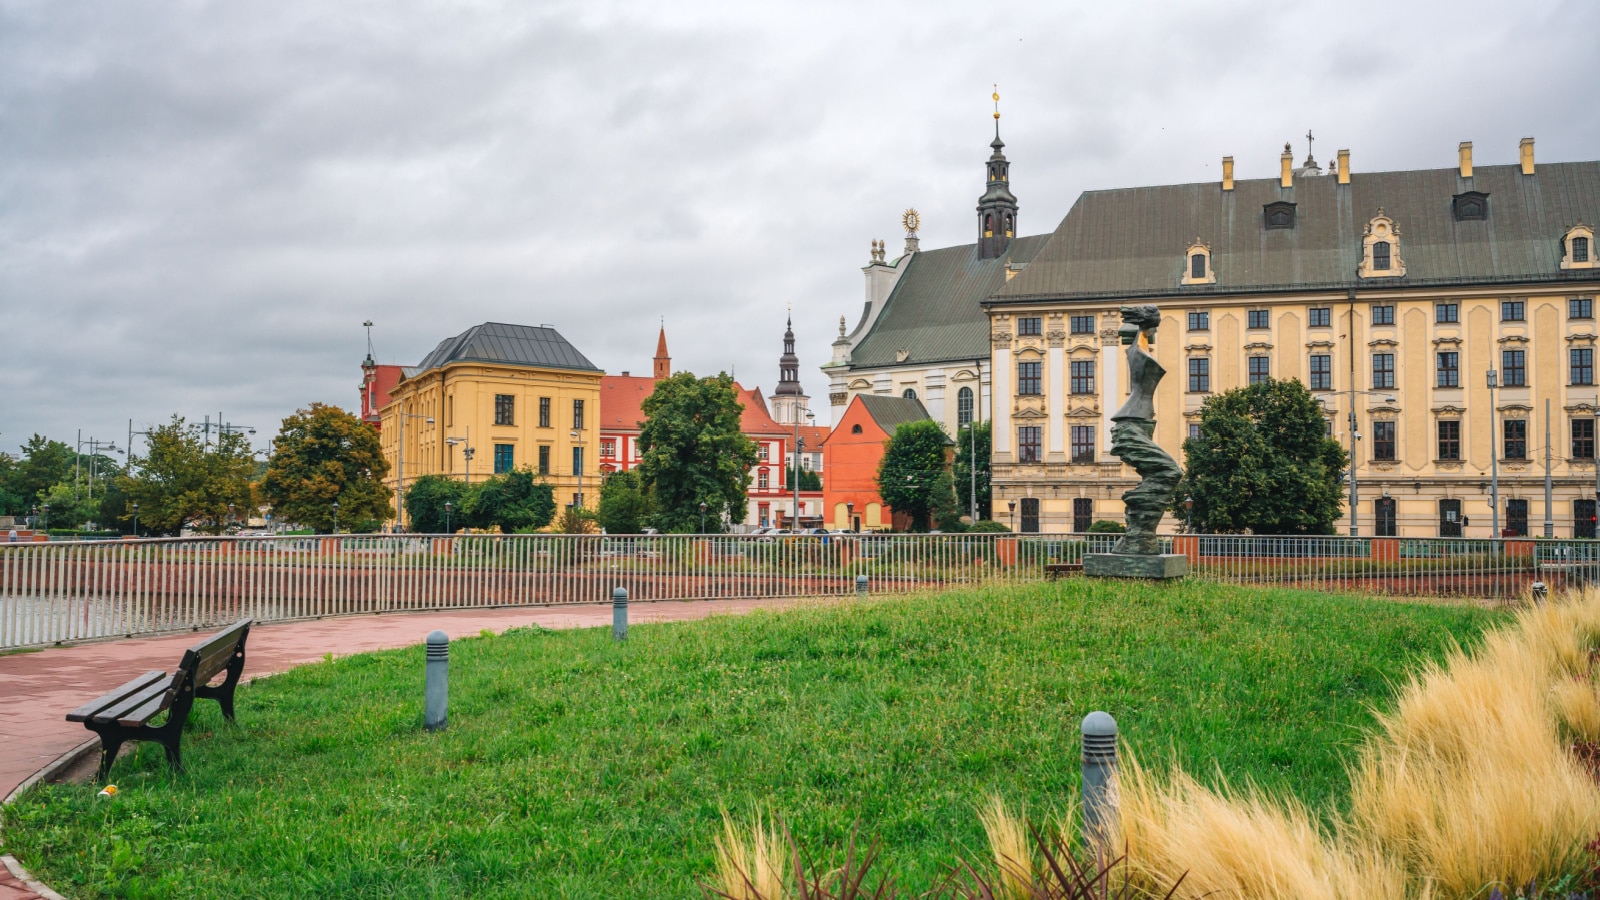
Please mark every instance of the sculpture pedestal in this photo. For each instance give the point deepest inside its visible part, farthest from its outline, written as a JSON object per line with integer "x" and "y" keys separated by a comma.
{"x": 1123, "y": 565}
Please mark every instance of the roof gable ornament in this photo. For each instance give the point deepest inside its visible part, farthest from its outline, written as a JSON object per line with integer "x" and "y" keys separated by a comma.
{"x": 1577, "y": 247}
{"x": 1197, "y": 267}
{"x": 1380, "y": 249}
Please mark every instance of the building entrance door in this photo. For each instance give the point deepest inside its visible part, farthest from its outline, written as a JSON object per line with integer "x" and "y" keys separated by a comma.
{"x": 1082, "y": 514}
{"x": 1450, "y": 518}
{"x": 1583, "y": 518}
{"x": 1383, "y": 513}
{"x": 1516, "y": 518}
{"x": 1030, "y": 515}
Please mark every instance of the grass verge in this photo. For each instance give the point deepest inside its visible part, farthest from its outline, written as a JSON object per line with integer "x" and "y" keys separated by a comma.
{"x": 574, "y": 767}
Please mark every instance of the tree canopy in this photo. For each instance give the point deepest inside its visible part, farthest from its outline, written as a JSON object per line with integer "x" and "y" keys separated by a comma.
{"x": 512, "y": 501}
{"x": 25, "y": 481}
{"x": 323, "y": 454}
{"x": 1263, "y": 463}
{"x": 694, "y": 452}
{"x": 425, "y": 504}
{"x": 185, "y": 480}
{"x": 979, "y": 432}
{"x": 624, "y": 506}
{"x": 912, "y": 476}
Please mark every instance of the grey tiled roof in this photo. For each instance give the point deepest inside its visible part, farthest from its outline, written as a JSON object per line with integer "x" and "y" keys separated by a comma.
{"x": 892, "y": 412}
{"x": 516, "y": 345}
{"x": 1130, "y": 242}
{"x": 934, "y": 310}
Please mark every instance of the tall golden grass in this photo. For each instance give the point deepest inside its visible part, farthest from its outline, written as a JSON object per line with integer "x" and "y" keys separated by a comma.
{"x": 753, "y": 863}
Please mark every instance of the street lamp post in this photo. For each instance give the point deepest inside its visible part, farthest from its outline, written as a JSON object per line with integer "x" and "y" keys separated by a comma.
{"x": 46, "y": 510}
{"x": 799, "y": 444}
{"x": 400, "y": 468}
{"x": 1188, "y": 512}
{"x": 335, "y": 517}
{"x": 136, "y": 519}
{"x": 232, "y": 518}
{"x": 1355, "y": 435}
{"x": 577, "y": 465}
{"x": 447, "y": 507}
{"x": 702, "y": 517}
{"x": 1012, "y": 506}
{"x": 1493, "y": 378}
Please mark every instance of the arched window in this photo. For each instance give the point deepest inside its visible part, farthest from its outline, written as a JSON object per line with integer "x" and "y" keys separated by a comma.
{"x": 855, "y": 429}
{"x": 1380, "y": 256}
{"x": 762, "y": 480}
{"x": 964, "y": 407}
{"x": 1197, "y": 265}
{"x": 909, "y": 393}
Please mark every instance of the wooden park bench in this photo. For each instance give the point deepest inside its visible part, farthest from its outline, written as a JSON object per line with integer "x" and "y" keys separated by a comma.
{"x": 125, "y": 713}
{"x": 1052, "y": 571}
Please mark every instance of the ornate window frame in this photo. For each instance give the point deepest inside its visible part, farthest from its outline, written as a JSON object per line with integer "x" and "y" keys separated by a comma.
{"x": 1381, "y": 229}
{"x": 1579, "y": 230}
{"x": 1278, "y": 215}
{"x": 1202, "y": 249}
{"x": 1470, "y": 206}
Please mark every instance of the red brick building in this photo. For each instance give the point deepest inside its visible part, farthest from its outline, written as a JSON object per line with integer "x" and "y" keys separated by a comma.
{"x": 851, "y": 455}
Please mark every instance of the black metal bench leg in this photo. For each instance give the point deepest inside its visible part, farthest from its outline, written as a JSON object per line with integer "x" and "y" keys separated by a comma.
{"x": 173, "y": 745}
{"x": 110, "y": 744}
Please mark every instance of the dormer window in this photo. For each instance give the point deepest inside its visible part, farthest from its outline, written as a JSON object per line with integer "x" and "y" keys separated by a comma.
{"x": 1197, "y": 264}
{"x": 1380, "y": 249}
{"x": 1470, "y": 206}
{"x": 1279, "y": 214}
{"x": 1577, "y": 248}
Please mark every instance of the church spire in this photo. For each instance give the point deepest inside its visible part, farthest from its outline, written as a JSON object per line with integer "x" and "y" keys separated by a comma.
{"x": 997, "y": 208}
{"x": 788, "y": 364}
{"x": 663, "y": 361}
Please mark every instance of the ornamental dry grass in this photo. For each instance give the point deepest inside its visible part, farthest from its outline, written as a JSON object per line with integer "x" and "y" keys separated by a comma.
{"x": 1470, "y": 784}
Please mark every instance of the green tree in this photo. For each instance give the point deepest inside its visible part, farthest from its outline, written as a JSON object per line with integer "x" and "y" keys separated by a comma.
{"x": 24, "y": 482}
{"x": 624, "y": 505}
{"x": 185, "y": 480}
{"x": 1263, "y": 463}
{"x": 69, "y": 507}
{"x": 976, "y": 432}
{"x": 323, "y": 454}
{"x": 425, "y": 500}
{"x": 911, "y": 475}
{"x": 11, "y": 503}
{"x": 695, "y": 452}
{"x": 513, "y": 501}
{"x": 809, "y": 480}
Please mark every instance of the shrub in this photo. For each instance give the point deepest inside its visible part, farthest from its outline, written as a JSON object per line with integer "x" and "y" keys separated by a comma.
{"x": 988, "y": 526}
{"x": 1106, "y": 526}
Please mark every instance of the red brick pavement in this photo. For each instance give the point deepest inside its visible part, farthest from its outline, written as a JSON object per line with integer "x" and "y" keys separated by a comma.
{"x": 40, "y": 688}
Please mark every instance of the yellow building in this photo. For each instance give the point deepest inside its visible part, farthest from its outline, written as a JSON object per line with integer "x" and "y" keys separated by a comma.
{"x": 1391, "y": 294}
{"x": 496, "y": 398}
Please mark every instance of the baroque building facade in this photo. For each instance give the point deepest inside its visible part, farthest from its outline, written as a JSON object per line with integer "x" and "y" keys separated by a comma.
{"x": 1391, "y": 295}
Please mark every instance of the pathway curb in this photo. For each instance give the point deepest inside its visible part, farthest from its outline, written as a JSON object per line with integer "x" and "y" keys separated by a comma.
{"x": 21, "y": 874}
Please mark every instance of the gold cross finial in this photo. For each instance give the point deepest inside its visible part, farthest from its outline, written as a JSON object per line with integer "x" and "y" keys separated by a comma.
{"x": 997, "y": 101}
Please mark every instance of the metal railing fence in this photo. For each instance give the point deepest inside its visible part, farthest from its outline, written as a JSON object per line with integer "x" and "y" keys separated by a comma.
{"x": 72, "y": 591}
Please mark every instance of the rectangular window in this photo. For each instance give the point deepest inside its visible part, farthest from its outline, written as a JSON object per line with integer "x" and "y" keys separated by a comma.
{"x": 1513, "y": 366}
{"x": 1321, "y": 316}
{"x": 1383, "y": 315}
{"x": 1449, "y": 439}
{"x": 1083, "y": 376}
{"x": 544, "y": 460}
{"x": 505, "y": 409}
{"x": 1511, "y": 310}
{"x": 1516, "y": 518}
{"x": 1028, "y": 379}
{"x": 1083, "y": 443}
{"x": 1580, "y": 249}
{"x": 1445, "y": 312}
{"x": 577, "y": 415}
{"x": 1082, "y": 513}
{"x": 1449, "y": 371}
{"x": 1582, "y": 359}
{"x": 1380, "y": 256}
{"x": 577, "y": 460}
{"x": 1083, "y": 324}
{"x": 1321, "y": 372}
{"x": 1199, "y": 375}
{"x": 1199, "y": 321}
{"x": 1516, "y": 434}
{"x": 505, "y": 458}
{"x": 608, "y": 449}
{"x": 544, "y": 412}
{"x": 1260, "y": 369}
{"x": 1030, "y": 325}
{"x": 763, "y": 481}
{"x": 1258, "y": 318}
{"x": 1383, "y": 440}
{"x": 1194, "y": 431}
{"x": 1382, "y": 370}
{"x": 1028, "y": 443}
{"x": 765, "y": 452}
{"x": 1029, "y": 507}
{"x": 1580, "y": 308}
{"x": 1583, "y": 518}
{"x": 1583, "y": 438}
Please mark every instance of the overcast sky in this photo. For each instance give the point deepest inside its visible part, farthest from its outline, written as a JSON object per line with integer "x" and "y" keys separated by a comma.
{"x": 201, "y": 202}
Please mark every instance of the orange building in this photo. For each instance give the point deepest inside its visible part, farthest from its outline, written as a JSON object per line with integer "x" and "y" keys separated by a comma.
{"x": 851, "y": 456}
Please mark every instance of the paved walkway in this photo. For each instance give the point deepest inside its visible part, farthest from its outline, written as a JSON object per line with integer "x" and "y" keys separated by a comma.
{"x": 41, "y": 688}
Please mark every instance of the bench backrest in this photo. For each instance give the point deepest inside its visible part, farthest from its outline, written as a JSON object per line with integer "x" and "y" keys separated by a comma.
{"x": 204, "y": 660}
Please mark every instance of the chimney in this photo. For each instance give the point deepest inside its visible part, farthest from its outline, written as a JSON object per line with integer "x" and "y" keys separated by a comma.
{"x": 1344, "y": 166}
{"x": 1227, "y": 173}
{"x": 1527, "y": 156}
{"x": 1465, "y": 152}
{"x": 1286, "y": 173}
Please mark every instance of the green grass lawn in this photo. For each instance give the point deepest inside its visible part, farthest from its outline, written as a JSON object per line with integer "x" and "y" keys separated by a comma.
{"x": 574, "y": 767}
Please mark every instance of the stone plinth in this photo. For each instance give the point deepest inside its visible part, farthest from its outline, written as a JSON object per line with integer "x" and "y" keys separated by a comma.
{"x": 1126, "y": 565}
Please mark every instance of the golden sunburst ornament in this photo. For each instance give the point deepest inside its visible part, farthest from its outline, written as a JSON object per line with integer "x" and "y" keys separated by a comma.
{"x": 911, "y": 220}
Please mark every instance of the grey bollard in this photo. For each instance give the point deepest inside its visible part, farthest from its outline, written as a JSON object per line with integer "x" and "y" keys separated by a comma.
{"x": 619, "y": 614}
{"x": 861, "y": 585}
{"x": 1099, "y": 770}
{"x": 1541, "y": 592}
{"x": 436, "y": 693}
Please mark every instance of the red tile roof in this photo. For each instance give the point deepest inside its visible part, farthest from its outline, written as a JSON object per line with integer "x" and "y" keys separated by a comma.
{"x": 622, "y": 396}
